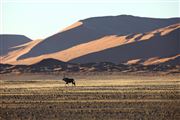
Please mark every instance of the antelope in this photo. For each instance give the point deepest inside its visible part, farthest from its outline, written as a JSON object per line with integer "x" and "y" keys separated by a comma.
{"x": 68, "y": 80}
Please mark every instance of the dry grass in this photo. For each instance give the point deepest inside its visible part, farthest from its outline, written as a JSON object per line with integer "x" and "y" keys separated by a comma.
{"x": 96, "y": 97}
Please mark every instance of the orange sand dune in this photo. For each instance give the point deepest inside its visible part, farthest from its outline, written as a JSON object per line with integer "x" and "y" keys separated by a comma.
{"x": 162, "y": 31}
{"x": 77, "y": 51}
{"x": 135, "y": 61}
{"x": 157, "y": 60}
{"x": 13, "y": 56}
{"x": 72, "y": 26}
{"x": 152, "y": 61}
{"x": 101, "y": 44}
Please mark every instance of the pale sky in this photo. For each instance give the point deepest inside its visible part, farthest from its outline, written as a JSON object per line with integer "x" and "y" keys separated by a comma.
{"x": 42, "y": 18}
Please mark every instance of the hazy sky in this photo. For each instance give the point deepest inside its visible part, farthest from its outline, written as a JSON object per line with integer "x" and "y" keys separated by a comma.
{"x": 42, "y": 18}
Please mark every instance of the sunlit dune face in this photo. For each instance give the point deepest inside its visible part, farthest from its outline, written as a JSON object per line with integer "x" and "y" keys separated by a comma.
{"x": 157, "y": 60}
{"x": 161, "y": 31}
{"x": 133, "y": 39}
{"x": 130, "y": 62}
{"x": 152, "y": 61}
{"x": 77, "y": 24}
{"x": 29, "y": 43}
{"x": 91, "y": 47}
{"x": 148, "y": 36}
{"x": 170, "y": 29}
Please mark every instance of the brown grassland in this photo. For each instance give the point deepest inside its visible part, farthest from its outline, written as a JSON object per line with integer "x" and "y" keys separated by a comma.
{"x": 95, "y": 97}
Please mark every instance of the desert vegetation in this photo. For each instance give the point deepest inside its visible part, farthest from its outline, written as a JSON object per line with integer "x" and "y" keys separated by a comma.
{"x": 56, "y": 66}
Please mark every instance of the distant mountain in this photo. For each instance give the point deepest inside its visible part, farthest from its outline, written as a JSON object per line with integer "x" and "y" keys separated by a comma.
{"x": 9, "y": 42}
{"x": 115, "y": 39}
{"x": 49, "y": 63}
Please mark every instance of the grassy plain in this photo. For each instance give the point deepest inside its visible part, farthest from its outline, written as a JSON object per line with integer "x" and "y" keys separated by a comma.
{"x": 95, "y": 97}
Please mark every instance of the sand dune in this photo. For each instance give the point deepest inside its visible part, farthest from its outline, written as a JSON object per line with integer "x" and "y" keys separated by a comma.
{"x": 77, "y": 24}
{"x": 161, "y": 60}
{"x": 156, "y": 46}
{"x": 96, "y": 28}
{"x": 8, "y": 41}
{"x": 156, "y": 60}
{"x": 93, "y": 41}
{"x": 98, "y": 45}
{"x": 12, "y": 57}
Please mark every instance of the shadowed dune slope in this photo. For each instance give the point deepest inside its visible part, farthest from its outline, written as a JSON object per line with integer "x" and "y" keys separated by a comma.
{"x": 7, "y": 42}
{"x": 95, "y": 28}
